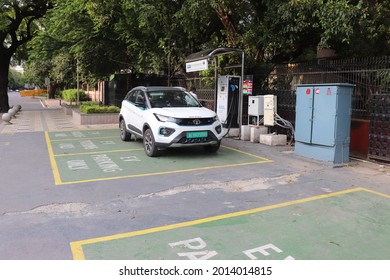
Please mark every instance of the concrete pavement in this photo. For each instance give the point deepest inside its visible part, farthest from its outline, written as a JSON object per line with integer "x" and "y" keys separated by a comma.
{"x": 39, "y": 114}
{"x": 40, "y": 219}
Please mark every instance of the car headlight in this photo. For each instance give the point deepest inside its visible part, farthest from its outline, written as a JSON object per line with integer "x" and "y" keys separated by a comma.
{"x": 218, "y": 129}
{"x": 163, "y": 118}
{"x": 216, "y": 119}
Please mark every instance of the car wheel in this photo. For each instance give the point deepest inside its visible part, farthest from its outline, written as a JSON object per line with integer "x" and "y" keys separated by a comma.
{"x": 149, "y": 144}
{"x": 212, "y": 148}
{"x": 125, "y": 135}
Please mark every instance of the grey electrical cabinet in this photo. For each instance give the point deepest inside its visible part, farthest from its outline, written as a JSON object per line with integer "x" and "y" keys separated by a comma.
{"x": 255, "y": 108}
{"x": 323, "y": 121}
{"x": 256, "y": 105}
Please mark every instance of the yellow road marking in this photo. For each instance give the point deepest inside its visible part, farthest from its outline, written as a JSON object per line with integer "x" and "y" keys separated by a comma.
{"x": 160, "y": 173}
{"x": 77, "y": 246}
{"x": 377, "y": 193}
{"x": 54, "y": 167}
{"x": 245, "y": 153}
{"x": 58, "y": 181}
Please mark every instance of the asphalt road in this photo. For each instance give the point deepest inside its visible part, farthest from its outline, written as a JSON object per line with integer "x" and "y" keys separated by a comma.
{"x": 39, "y": 219}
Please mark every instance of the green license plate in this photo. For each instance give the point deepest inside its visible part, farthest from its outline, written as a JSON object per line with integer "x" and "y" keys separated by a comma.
{"x": 197, "y": 134}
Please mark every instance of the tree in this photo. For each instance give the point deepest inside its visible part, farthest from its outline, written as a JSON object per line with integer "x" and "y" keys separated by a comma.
{"x": 17, "y": 27}
{"x": 154, "y": 36}
{"x": 281, "y": 30}
{"x": 15, "y": 79}
{"x": 109, "y": 36}
{"x": 78, "y": 32}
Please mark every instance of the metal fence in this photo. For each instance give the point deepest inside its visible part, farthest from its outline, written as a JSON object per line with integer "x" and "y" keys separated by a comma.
{"x": 370, "y": 99}
{"x": 371, "y": 77}
{"x": 379, "y": 139}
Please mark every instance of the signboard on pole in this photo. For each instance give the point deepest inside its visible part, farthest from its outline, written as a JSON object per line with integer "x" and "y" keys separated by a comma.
{"x": 197, "y": 65}
{"x": 247, "y": 85}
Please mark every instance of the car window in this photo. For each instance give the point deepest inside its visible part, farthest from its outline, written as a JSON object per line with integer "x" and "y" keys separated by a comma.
{"x": 171, "y": 98}
{"x": 140, "y": 97}
{"x": 133, "y": 97}
{"x": 129, "y": 95}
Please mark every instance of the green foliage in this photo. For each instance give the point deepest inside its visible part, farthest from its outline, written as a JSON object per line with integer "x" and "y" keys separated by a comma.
{"x": 35, "y": 71}
{"x": 96, "y": 109}
{"x": 16, "y": 79}
{"x": 71, "y": 95}
{"x": 155, "y": 36}
{"x": 293, "y": 29}
{"x": 90, "y": 103}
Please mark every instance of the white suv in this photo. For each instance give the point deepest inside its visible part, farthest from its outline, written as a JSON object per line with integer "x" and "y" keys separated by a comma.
{"x": 168, "y": 117}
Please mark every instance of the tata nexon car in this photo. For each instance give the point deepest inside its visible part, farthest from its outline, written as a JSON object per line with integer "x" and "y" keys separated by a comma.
{"x": 168, "y": 117}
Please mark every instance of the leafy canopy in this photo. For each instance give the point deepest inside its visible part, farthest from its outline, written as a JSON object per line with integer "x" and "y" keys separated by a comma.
{"x": 154, "y": 36}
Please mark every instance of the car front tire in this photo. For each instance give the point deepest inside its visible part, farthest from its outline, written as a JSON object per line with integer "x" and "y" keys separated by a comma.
{"x": 150, "y": 144}
{"x": 125, "y": 135}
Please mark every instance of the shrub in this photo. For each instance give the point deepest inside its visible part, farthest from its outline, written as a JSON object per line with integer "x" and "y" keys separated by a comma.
{"x": 71, "y": 95}
{"x": 90, "y": 103}
{"x": 96, "y": 109}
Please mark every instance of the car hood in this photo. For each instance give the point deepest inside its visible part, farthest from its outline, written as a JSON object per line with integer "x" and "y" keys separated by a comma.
{"x": 185, "y": 112}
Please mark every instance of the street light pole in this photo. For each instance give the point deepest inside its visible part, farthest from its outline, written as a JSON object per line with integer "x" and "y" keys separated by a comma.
{"x": 169, "y": 66}
{"x": 77, "y": 74}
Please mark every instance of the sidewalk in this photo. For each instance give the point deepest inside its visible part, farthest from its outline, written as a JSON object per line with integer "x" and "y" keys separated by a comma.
{"x": 40, "y": 114}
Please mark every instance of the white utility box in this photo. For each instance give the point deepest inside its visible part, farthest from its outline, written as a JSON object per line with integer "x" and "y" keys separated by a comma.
{"x": 270, "y": 105}
{"x": 256, "y": 105}
{"x": 255, "y": 108}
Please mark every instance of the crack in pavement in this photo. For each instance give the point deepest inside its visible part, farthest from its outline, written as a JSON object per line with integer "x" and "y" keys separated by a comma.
{"x": 55, "y": 208}
{"x": 253, "y": 184}
{"x": 119, "y": 206}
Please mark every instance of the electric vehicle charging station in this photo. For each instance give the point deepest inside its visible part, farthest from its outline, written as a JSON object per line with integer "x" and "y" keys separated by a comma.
{"x": 199, "y": 61}
{"x": 228, "y": 92}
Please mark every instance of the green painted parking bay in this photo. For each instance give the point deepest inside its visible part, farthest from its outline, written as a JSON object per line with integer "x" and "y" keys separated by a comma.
{"x": 91, "y": 155}
{"x": 347, "y": 225}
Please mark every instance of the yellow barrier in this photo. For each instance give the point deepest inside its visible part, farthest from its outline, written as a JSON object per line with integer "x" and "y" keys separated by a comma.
{"x": 33, "y": 92}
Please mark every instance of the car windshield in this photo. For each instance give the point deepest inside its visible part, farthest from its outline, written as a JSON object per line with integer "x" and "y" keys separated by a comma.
{"x": 172, "y": 98}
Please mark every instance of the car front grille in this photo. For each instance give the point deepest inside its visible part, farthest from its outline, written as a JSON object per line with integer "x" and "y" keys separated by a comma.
{"x": 196, "y": 121}
{"x": 185, "y": 140}
{"x": 182, "y": 138}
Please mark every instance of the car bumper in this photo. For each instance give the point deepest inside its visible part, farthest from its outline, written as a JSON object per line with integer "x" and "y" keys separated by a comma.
{"x": 179, "y": 137}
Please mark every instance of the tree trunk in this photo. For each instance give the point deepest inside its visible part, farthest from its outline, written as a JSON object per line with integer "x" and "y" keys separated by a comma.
{"x": 4, "y": 71}
{"x": 52, "y": 91}
{"x": 225, "y": 16}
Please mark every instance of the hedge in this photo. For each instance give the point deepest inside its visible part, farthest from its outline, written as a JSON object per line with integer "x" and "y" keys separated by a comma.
{"x": 71, "y": 95}
{"x": 96, "y": 109}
